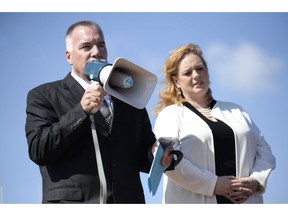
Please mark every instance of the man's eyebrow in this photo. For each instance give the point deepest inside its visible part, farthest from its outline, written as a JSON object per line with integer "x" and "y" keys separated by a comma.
{"x": 101, "y": 42}
{"x": 88, "y": 43}
{"x": 84, "y": 43}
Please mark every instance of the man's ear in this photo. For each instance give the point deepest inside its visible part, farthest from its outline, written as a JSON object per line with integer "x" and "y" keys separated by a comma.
{"x": 68, "y": 57}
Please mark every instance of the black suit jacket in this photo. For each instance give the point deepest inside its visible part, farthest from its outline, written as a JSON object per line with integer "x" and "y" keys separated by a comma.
{"x": 60, "y": 141}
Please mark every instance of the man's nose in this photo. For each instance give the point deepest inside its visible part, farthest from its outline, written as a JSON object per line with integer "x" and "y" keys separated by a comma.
{"x": 95, "y": 52}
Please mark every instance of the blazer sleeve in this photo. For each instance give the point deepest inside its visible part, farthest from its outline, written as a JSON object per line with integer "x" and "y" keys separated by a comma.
{"x": 264, "y": 161}
{"x": 186, "y": 174}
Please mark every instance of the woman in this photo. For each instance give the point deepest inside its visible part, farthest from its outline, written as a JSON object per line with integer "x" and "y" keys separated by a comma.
{"x": 226, "y": 158}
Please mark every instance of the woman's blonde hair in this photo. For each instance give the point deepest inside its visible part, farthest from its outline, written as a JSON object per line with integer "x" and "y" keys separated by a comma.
{"x": 169, "y": 93}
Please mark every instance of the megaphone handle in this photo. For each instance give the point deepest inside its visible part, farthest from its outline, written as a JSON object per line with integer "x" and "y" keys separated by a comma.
{"x": 94, "y": 83}
{"x": 93, "y": 111}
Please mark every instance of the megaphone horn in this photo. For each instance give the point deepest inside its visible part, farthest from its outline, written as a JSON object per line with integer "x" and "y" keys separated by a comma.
{"x": 124, "y": 80}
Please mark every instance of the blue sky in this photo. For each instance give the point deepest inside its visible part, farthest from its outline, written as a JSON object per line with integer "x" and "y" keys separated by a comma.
{"x": 246, "y": 54}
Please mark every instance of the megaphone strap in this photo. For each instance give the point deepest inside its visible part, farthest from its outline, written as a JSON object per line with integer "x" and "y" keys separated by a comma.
{"x": 101, "y": 174}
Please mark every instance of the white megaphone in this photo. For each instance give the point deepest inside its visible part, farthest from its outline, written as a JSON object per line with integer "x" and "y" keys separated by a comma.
{"x": 124, "y": 80}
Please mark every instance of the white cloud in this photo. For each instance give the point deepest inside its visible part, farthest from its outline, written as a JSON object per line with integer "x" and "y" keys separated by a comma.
{"x": 245, "y": 68}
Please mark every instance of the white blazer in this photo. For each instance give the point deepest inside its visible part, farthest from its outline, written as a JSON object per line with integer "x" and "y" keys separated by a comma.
{"x": 194, "y": 178}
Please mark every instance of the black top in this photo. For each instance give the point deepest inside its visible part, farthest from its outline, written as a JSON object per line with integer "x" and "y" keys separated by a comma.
{"x": 224, "y": 146}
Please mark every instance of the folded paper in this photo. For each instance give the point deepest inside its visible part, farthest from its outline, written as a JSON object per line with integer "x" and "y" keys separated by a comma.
{"x": 156, "y": 171}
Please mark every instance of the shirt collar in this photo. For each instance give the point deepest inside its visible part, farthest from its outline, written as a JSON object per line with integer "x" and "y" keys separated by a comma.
{"x": 85, "y": 84}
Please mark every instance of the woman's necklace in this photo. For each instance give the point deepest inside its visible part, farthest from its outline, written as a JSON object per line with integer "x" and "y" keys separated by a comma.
{"x": 204, "y": 111}
{"x": 207, "y": 113}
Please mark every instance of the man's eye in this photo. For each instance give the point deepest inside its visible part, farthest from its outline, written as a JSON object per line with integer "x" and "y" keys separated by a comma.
{"x": 86, "y": 47}
{"x": 101, "y": 46}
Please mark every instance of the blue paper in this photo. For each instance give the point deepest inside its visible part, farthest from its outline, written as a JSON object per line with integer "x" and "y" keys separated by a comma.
{"x": 156, "y": 171}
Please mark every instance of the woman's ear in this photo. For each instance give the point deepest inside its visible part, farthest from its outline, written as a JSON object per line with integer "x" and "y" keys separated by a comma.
{"x": 175, "y": 81}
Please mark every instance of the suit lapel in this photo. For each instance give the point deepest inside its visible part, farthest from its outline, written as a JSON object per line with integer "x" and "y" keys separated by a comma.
{"x": 74, "y": 90}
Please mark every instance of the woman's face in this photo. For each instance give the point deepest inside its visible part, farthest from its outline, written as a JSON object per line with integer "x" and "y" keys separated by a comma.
{"x": 192, "y": 77}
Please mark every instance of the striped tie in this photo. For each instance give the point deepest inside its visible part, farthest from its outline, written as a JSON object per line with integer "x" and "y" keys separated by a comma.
{"x": 105, "y": 111}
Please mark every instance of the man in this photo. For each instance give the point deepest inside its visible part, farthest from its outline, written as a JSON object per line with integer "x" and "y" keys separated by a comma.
{"x": 59, "y": 135}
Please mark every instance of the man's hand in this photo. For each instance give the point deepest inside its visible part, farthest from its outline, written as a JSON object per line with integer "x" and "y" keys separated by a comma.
{"x": 92, "y": 98}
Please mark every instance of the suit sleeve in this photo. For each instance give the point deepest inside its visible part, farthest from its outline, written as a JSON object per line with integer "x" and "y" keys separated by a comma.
{"x": 147, "y": 141}
{"x": 51, "y": 131}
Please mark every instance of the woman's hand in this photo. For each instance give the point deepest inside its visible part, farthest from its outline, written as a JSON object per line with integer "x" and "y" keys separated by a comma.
{"x": 167, "y": 144}
{"x": 243, "y": 188}
{"x": 167, "y": 157}
{"x": 238, "y": 190}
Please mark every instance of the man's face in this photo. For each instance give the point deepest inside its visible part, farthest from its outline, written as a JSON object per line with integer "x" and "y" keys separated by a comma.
{"x": 87, "y": 44}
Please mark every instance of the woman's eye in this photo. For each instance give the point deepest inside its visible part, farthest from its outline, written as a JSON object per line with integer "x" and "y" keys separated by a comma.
{"x": 188, "y": 73}
{"x": 200, "y": 69}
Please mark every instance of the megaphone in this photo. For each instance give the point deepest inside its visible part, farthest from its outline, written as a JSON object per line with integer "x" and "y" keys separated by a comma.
{"x": 124, "y": 80}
